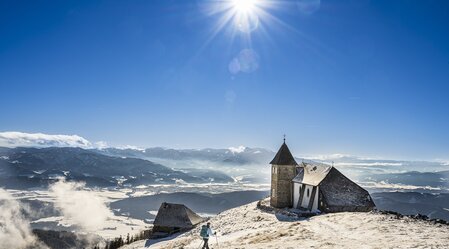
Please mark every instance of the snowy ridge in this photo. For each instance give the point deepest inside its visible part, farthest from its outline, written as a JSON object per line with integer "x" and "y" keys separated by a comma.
{"x": 249, "y": 227}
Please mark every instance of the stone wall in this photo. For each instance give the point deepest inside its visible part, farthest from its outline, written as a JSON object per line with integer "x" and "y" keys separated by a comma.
{"x": 281, "y": 185}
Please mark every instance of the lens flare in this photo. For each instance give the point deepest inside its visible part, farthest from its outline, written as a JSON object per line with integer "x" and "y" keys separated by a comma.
{"x": 247, "y": 61}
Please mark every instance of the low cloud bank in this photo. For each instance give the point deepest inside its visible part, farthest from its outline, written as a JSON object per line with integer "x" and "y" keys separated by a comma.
{"x": 16, "y": 139}
{"x": 84, "y": 208}
{"x": 15, "y": 230}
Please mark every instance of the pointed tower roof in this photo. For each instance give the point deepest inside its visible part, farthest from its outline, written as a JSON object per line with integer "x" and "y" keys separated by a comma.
{"x": 284, "y": 156}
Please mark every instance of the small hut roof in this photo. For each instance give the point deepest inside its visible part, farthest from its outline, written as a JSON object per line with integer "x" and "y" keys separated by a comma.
{"x": 176, "y": 215}
{"x": 284, "y": 156}
{"x": 312, "y": 174}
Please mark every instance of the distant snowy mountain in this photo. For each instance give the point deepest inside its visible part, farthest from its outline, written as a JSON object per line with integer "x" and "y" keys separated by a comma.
{"x": 379, "y": 166}
{"x": 240, "y": 162}
{"x": 34, "y": 167}
{"x": 243, "y": 164}
{"x": 234, "y": 156}
{"x": 439, "y": 179}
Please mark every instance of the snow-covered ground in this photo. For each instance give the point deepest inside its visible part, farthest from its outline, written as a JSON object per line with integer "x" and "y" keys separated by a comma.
{"x": 249, "y": 227}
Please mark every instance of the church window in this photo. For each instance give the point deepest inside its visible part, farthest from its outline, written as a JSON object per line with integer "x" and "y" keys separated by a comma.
{"x": 273, "y": 192}
{"x": 308, "y": 192}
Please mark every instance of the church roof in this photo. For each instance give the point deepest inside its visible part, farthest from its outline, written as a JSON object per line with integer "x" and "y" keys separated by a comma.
{"x": 312, "y": 174}
{"x": 284, "y": 156}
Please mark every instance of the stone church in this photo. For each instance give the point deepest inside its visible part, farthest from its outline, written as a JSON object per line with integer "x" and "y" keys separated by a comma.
{"x": 314, "y": 187}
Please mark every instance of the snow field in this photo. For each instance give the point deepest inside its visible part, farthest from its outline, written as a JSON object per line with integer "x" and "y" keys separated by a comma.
{"x": 248, "y": 227}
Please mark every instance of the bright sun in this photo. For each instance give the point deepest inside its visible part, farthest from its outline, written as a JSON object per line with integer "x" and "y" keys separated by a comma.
{"x": 244, "y": 6}
{"x": 243, "y": 15}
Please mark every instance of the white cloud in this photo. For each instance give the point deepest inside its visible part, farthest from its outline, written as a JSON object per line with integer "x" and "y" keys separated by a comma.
{"x": 370, "y": 164}
{"x": 239, "y": 149}
{"x": 82, "y": 207}
{"x": 15, "y": 230}
{"x": 444, "y": 162}
{"x": 16, "y": 139}
{"x": 328, "y": 157}
{"x": 131, "y": 147}
{"x": 101, "y": 145}
{"x": 385, "y": 185}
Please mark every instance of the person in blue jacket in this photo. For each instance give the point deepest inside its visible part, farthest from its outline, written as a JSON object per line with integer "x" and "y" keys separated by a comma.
{"x": 205, "y": 233}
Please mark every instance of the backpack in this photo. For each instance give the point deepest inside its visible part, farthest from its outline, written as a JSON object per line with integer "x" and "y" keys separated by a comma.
{"x": 203, "y": 232}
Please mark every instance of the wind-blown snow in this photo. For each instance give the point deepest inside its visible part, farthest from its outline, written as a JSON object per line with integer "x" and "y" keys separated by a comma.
{"x": 248, "y": 227}
{"x": 82, "y": 210}
{"x": 85, "y": 208}
{"x": 15, "y": 230}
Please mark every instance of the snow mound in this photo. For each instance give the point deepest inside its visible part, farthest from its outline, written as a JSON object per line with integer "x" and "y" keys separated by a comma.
{"x": 249, "y": 227}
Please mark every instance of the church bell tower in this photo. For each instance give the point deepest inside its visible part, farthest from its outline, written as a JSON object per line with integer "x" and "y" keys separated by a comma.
{"x": 283, "y": 170}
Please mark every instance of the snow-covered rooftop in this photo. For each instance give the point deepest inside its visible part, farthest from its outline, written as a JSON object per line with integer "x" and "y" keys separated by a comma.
{"x": 312, "y": 174}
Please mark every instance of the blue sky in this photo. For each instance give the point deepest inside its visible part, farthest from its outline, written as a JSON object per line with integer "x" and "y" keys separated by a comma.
{"x": 358, "y": 77}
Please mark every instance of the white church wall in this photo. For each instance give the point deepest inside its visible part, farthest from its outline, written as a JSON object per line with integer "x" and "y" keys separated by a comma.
{"x": 307, "y": 195}
{"x": 307, "y": 198}
{"x": 296, "y": 194}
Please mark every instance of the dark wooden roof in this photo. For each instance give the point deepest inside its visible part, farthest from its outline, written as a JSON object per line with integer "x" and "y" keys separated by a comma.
{"x": 284, "y": 157}
{"x": 176, "y": 215}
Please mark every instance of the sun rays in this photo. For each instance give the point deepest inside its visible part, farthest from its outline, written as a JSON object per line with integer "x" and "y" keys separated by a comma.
{"x": 244, "y": 21}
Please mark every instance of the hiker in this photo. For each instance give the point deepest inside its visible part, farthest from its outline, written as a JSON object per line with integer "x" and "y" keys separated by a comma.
{"x": 205, "y": 233}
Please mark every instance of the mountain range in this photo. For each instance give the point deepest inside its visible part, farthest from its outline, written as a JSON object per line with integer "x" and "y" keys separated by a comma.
{"x": 25, "y": 167}
{"x": 36, "y": 167}
{"x": 231, "y": 156}
{"x": 241, "y": 163}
